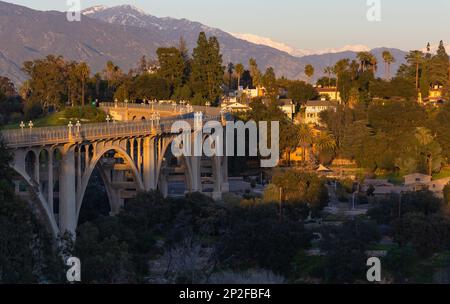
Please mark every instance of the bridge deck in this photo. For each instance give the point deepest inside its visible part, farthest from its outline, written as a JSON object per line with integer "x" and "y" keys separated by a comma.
{"x": 90, "y": 132}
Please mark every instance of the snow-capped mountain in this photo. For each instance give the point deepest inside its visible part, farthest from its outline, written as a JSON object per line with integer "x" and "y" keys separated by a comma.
{"x": 295, "y": 51}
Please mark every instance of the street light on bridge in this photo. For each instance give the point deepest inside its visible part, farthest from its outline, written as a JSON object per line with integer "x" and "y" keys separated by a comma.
{"x": 108, "y": 119}
{"x": 22, "y": 125}
{"x": 78, "y": 125}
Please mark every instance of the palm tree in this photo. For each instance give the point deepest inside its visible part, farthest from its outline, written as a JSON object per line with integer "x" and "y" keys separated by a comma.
{"x": 425, "y": 138}
{"x": 415, "y": 58}
{"x": 230, "y": 70}
{"x": 339, "y": 68}
{"x": 83, "y": 74}
{"x": 388, "y": 60}
{"x": 373, "y": 61}
{"x": 325, "y": 141}
{"x": 239, "y": 70}
{"x": 305, "y": 138}
{"x": 364, "y": 59}
{"x": 309, "y": 71}
{"x": 354, "y": 68}
{"x": 328, "y": 70}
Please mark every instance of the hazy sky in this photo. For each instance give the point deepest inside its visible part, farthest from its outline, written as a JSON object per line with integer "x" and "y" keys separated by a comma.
{"x": 315, "y": 24}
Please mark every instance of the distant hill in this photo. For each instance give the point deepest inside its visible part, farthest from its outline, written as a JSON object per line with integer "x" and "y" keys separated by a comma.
{"x": 123, "y": 34}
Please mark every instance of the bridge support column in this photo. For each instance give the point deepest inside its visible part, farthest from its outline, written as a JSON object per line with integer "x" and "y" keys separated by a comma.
{"x": 50, "y": 182}
{"x": 164, "y": 186}
{"x": 196, "y": 178}
{"x": 225, "y": 183}
{"x": 36, "y": 168}
{"x": 67, "y": 193}
{"x": 149, "y": 164}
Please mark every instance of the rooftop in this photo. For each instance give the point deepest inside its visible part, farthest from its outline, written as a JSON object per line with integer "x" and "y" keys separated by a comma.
{"x": 320, "y": 103}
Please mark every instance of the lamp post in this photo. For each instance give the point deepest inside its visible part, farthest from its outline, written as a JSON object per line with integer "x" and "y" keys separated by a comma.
{"x": 152, "y": 103}
{"x": 22, "y": 125}
{"x": 78, "y": 125}
{"x": 115, "y": 102}
{"x": 108, "y": 119}
{"x": 126, "y": 102}
{"x": 70, "y": 126}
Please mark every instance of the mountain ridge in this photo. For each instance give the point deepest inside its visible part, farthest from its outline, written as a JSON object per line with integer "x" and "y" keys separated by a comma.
{"x": 123, "y": 34}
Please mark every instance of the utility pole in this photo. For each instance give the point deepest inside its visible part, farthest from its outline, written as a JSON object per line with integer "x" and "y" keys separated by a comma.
{"x": 281, "y": 201}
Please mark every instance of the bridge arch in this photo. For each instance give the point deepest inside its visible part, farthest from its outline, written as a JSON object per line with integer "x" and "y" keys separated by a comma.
{"x": 43, "y": 205}
{"x": 165, "y": 157}
{"x": 94, "y": 163}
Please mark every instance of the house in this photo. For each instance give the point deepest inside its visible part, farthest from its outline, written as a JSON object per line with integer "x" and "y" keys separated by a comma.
{"x": 288, "y": 107}
{"x": 375, "y": 183}
{"x": 435, "y": 94}
{"x": 250, "y": 93}
{"x": 437, "y": 186}
{"x": 233, "y": 106}
{"x": 384, "y": 192}
{"x": 285, "y": 105}
{"x": 329, "y": 92}
{"x": 417, "y": 178}
{"x": 314, "y": 107}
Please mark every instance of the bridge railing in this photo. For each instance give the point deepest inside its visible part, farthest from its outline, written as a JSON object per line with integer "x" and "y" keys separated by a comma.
{"x": 64, "y": 134}
{"x": 163, "y": 107}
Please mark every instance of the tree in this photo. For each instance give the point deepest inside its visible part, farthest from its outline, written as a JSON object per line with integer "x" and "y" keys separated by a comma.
{"x": 83, "y": 72}
{"x": 345, "y": 249}
{"x": 230, "y": 71}
{"x": 47, "y": 83}
{"x": 254, "y": 72}
{"x": 440, "y": 67}
{"x": 388, "y": 60}
{"x": 300, "y": 91}
{"x": 429, "y": 149}
{"x": 302, "y": 188}
{"x": 328, "y": 71}
{"x": 269, "y": 81}
{"x": 415, "y": 58}
{"x": 142, "y": 65}
{"x": 309, "y": 71}
{"x": 239, "y": 70}
{"x": 171, "y": 66}
{"x": 26, "y": 251}
{"x": 324, "y": 141}
{"x": 113, "y": 76}
{"x": 207, "y": 70}
{"x": 305, "y": 138}
{"x": 447, "y": 194}
{"x": 339, "y": 69}
{"x": 149, "y": 86}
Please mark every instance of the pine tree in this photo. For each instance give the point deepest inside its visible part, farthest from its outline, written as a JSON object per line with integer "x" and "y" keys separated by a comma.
{"x": 171, "y": 66}
{"x": 207, "y": 70}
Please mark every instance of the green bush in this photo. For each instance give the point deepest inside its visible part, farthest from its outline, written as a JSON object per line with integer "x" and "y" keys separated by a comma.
{"x": 85, "y": 114}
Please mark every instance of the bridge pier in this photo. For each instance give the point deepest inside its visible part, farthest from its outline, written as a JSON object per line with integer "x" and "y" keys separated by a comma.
{"x": 67, "y": 193}
{"x": 149, "y": 164}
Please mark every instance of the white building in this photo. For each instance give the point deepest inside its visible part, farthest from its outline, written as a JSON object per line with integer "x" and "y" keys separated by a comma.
{"x": 233, "y": 106}
{"x": 288, "y": 107}
{"x": 314, "y": 107}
